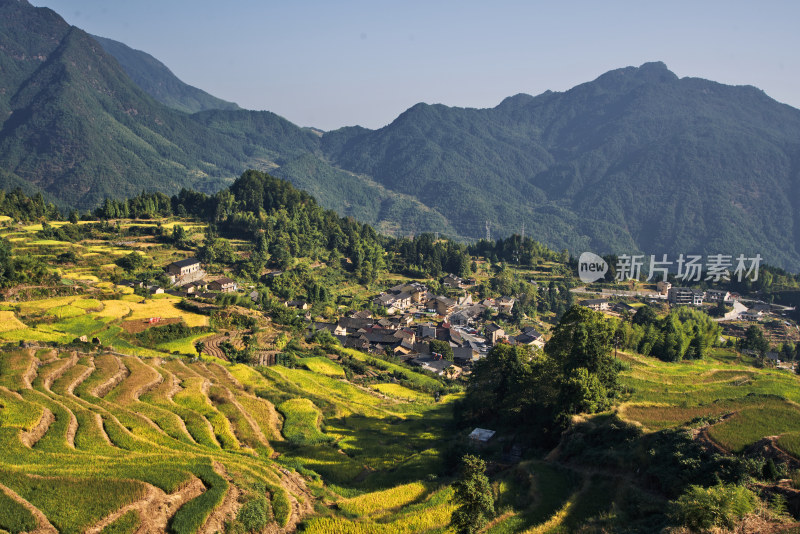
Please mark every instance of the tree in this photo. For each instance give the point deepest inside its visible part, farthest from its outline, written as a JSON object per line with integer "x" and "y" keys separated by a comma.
{"x": 754, "y": 340}
{"x": 644, "y": 316}
{"x": 584, "y": 339}
{"x": 473, "y": 496}
{"x": 199, "y": 347}
{"x": 443, "y": 348}
{"x": 6, "y": 263}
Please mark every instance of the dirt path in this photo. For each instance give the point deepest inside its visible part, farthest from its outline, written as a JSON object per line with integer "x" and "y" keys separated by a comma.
{"x": 33, "y": 370}
{"x": 701, "y": 434}
{"x": 299, "y": 496}
{"x": 273, "y": 422}
{"x": 155, "y": 509}
{"x": 43, "y": 525}
{"x": 70, "y": 389}
{"x": 768, "y": 447}
{"x": 150, "y": 386}
{"x": 225, "y": 511}
{"x": 212, "y": 344}
{"x": 102, "y": 428}
{"x": 122, "y": 373}
{"x": 30, "y": 438}
{"x": 49, "y": 378}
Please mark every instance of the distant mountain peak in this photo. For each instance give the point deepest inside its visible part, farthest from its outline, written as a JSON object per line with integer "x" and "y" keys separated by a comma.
{"x": 155, "y": 79}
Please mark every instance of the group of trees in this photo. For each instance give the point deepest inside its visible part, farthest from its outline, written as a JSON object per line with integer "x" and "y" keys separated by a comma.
{"x": 516, "y": 250}
{"x": 576, "y": 373}
{"x": 21, "y": 207}
{"x": 684, "y": 333}
{"x": 22, "y": 268}
{"x": 424, "y": 255}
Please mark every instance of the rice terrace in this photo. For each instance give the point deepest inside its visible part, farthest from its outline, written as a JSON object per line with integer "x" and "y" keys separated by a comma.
{"x": 297, "y": 402}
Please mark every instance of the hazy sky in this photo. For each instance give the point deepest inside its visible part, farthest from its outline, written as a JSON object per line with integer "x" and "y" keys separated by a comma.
{"x": 338, "y": 63}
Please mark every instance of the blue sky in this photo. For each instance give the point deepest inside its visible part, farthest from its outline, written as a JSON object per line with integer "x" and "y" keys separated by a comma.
{"x": 339, "y": 63}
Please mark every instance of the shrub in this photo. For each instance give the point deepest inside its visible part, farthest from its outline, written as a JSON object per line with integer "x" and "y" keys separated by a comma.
{"x": 254, "y": 514}
{"x": 722, "y": 505}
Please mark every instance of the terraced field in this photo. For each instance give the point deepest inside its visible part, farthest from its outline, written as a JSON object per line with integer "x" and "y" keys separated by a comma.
{"x": 96, "y": 441}
{"x": 91, "y": 440}
{"x": 740, "y": 404}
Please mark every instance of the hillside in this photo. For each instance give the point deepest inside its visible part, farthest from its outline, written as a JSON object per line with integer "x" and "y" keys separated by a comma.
{"x": 155, "y": 79}
{"x": 124, "y": 408}
{"x": 76, "y": 127}
{"x": 636, "y": 160}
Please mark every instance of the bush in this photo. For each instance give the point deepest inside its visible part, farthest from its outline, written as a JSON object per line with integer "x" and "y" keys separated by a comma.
{"x": 254, "y": 514}
{"x": 722, "y": 505}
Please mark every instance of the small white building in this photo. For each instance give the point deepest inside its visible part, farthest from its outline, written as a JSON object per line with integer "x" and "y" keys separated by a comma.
{"x": 481, "y": 436}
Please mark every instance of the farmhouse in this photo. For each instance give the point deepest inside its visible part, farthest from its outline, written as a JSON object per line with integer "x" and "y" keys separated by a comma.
{"x": 184, "y": 271}
{"x": 184, "y": 267}
{"x": 452, "y": 281}
{"x": 682, "y": 296}
{"x": 663, "y": 287}
{"x": 224, "y": 284}
{"x": 505, "y": 304}
{"x": 595, "y": 304}
{"x": 481, "y": 436}
{"x": 494, "y": 333}
{"x": 718, "y": 295}
{"x": 442, "y": 305}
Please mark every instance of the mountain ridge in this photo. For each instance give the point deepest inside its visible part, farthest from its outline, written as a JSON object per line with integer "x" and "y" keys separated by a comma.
{"x": 157, "y": 80}
{"x": 636, "y": 161}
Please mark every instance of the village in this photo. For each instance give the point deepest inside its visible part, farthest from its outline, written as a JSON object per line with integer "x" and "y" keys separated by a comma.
{"x": 445, "y": 335}
{"x": 437, "y": 333}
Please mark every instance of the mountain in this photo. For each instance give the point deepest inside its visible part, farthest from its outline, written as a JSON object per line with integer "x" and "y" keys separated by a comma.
{"x": 637, "y": 160}
{"x": 75, "y": 126}
{"x": 155, "y": 79}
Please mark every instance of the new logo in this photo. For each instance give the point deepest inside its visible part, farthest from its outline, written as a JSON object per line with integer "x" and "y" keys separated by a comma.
{"x": 591, "y": 267}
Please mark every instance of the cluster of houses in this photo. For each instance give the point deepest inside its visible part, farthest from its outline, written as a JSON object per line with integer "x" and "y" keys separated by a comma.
{"x": 188, "y": 278}
{"x": 455, "y": 321}
{"x": 686, "y": 296}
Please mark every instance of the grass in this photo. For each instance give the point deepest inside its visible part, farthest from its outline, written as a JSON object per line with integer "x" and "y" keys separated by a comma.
{"x": 418, "y": 379}
{"x": 66, "y": 311}
{"x": 184, "y": 345}
{"x": 18, "y": 413}
{"x": 15, "y": 517}
{"x": 191, "y": 516}
{"x": 165, "y": 307}
{"x": 396, "y": 497}
{"x": 751, "y": 423}
{"x": 323, "y": 366}
{"x": 9, "y": 321}
{"x": 401, "y": 392}
{"x": 128, "y": 523}
{"x": 72, "y": 504}
{"x": 301, "y": 424}
{"x": 192, "y": 397}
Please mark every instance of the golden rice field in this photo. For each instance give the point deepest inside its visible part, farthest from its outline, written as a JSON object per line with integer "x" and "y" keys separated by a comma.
{"x": 88, "y": 439}
{"x": 744, "y": 404}
{"x": 169, "y": 445}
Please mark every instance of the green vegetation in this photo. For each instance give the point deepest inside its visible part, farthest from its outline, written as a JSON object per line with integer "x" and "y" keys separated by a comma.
{"x": 191, "y": 516}
{"x": 15, "y": 517}
{"x": 128, "y": 523}
{"x": 719, "y": 506}
{"x": 301, "y": 424}
{"x": 576, "y": 374}
{"x": 473, "y": 497}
